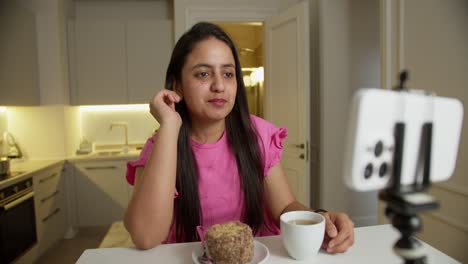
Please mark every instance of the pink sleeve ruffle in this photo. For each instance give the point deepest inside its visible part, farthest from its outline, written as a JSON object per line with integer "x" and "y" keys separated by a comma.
{"x": 274, "y": 148}
{"x": 140, "y": 162}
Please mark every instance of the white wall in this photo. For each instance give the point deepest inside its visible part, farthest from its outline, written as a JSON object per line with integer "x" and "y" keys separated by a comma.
{"x": 3, "y": 128}
{"x": 72, "y": 129}
{"x": 349, "y": 59}
{"x": 435, "y": 51}
{"x": 364, "y": 66}
{"x": 3, "y": 121}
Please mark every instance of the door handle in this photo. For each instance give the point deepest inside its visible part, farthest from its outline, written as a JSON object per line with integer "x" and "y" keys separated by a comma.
{"x": 47, "y": 178}
{"x": 301, "y": 146}
{"x": 51, "y": 215}
{"x": 306, "y": 147}
{"x": 18, "y": 201}
{"x": 43, "y": 200}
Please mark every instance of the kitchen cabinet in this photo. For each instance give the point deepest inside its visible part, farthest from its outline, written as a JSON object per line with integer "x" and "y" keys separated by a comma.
{"x": 149, "y": 48}
{"x": 99, "y": 62}
{"x": 102, "y": 192}
{"x": 19, "y": 73}
{"x": 118, "y": 61}
{"x": 50, "y": 207}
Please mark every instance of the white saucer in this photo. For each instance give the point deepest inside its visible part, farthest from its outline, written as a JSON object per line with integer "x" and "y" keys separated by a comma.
{"x": 261, "y": 253}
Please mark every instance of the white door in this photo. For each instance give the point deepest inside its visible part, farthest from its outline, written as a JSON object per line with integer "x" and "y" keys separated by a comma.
{"x": 287, "y": 92}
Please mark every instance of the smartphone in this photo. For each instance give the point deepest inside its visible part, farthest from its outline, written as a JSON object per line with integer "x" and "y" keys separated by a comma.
{"x": 370, "y": 142}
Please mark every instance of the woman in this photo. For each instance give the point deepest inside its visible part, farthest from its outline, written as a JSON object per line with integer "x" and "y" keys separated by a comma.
{"x": 211, "y": 161}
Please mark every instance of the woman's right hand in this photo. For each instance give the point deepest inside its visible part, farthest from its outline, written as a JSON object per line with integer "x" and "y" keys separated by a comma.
{"x": 162, "y": 107}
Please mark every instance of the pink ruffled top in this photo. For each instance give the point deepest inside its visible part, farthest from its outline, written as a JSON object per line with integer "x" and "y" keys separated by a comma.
{"x": 219, "y": 186}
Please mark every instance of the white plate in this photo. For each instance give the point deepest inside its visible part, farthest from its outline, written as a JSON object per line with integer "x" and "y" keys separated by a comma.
{"x": 261, "y": 253}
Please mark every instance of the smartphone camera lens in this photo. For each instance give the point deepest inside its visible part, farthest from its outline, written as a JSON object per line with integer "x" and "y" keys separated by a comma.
{"x": 383, "y": 169}
{"x": 378, "y": 148}
{"x": 368, "y": 171}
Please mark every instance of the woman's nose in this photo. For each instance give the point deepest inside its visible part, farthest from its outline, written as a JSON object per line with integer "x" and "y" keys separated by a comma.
{"x": 218, "y": 84}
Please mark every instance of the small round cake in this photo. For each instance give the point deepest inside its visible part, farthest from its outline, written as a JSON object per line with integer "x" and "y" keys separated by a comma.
{"x": 230, "y": 243}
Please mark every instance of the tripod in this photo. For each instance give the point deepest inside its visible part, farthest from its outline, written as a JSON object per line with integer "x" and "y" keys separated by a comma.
{"x": 404, "y": 202}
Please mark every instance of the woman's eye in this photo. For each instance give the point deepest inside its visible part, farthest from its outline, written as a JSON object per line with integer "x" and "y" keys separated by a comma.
{"x": 202, "y": 74}
{"x": 229, "y": 74}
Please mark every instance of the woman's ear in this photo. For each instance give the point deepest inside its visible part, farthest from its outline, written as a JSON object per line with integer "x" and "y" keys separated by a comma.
{"x": 176, "y": 87}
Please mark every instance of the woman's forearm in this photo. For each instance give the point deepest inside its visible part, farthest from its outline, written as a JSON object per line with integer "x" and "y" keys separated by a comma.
{"x": 149, "y": 214}
{"x": 295, "y": 206}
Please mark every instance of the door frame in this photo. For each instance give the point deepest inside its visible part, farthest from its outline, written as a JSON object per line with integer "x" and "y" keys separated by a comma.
{"x": 193, "y": 15}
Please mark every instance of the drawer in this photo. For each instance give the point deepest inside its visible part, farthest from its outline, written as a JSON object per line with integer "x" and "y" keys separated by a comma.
{"x": 46, "y": 203}
{"x": 51, "y": 229}
{"x": 47, "y": 180}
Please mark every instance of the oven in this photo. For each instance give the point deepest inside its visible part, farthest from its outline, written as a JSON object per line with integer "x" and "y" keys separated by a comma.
{"x": 17, "y": 220}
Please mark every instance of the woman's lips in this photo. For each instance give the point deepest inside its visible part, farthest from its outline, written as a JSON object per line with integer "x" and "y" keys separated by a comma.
{"x": 217, "y": 102}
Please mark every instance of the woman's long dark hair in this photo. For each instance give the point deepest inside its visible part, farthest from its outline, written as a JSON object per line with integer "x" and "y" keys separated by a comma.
{"x": 241, "y": 136}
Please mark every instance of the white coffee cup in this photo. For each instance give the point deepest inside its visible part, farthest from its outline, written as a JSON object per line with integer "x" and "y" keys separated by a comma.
{"x": 302, "y": 240}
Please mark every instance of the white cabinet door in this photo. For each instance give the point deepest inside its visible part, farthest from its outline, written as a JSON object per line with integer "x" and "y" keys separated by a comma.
{"x": 19, "y": 81}
{"x": 102, "y": 192}
{"x": 99, "y": 62}
{"x": 117, "y": 61}
{"x": 149, "y": 47}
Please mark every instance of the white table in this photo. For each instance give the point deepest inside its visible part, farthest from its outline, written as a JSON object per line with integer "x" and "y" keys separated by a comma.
{"x": 372, "y": 244}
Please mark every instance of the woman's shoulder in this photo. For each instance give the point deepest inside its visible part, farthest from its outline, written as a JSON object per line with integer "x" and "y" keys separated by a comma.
{"x": 271, "y": 140}
{"x": 261, "y": 124}
{"x": 266, "y": 130}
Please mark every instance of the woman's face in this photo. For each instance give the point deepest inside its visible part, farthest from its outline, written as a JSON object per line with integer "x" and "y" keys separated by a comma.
{"x": 209, "y": 83}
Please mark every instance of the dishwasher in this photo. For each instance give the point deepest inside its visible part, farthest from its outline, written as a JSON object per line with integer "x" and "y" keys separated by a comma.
{"x": 17, "y": 220}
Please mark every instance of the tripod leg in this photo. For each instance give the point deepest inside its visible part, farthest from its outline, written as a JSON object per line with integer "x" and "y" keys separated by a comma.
{"x": 407, "y": 247}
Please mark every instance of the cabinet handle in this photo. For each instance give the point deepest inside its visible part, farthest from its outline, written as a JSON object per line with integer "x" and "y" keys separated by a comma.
{"x": 50, "y": 196}
{"x": 101, "y": 168}
{"x": 48, "y": 177}
{"x": 51, "y": 215}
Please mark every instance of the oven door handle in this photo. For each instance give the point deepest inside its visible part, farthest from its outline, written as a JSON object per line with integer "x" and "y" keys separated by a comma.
{"x": 18, "y": 201}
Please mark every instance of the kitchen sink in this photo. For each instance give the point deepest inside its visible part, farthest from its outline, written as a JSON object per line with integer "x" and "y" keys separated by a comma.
{"x": 109, "y": 153}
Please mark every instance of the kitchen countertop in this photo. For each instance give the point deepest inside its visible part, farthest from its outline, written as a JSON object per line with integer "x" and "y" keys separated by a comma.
{"x": 105, "y": 155}
{"x": 29, "y": 167}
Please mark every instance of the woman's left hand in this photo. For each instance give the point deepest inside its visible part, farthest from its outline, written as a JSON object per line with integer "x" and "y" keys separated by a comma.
{"x": 339, "y": 232}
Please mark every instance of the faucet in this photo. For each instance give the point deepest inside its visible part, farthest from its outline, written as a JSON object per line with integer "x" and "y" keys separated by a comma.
{"x": 125, "y": 126}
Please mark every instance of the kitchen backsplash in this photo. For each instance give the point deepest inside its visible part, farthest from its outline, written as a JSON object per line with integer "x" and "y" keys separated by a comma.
{"x": 3, "y": 120}
{"x": 95, "y": 125}
{"x": 49, "y": 132}
{"x": 44, "y": 132}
